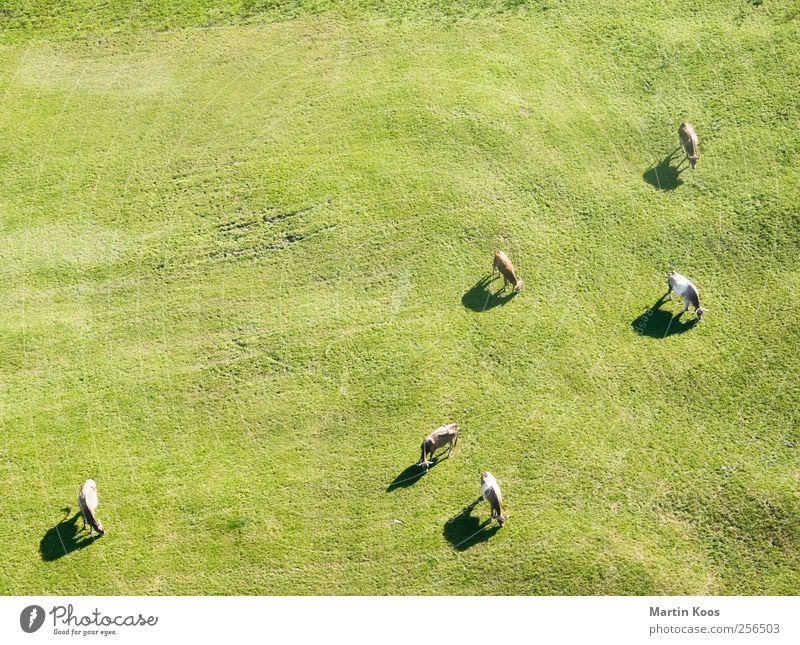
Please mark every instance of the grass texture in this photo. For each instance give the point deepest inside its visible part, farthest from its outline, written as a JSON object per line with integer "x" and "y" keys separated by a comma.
{"x": 244, "y": 249}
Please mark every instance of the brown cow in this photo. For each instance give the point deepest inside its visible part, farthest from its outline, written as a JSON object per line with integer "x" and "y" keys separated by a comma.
{"x": 502, "y": 264}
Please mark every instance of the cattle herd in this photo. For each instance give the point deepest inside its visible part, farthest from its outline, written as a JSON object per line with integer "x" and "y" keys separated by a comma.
{"x": 447, "y": 436}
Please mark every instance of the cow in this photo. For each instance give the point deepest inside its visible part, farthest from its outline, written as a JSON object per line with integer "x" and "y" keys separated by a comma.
{"x": 688, "y": 138}
{"x": 87, "y": 502}
{"x": 490, "y": 491}
{"x": 439, "y": 438}
{"x": 686, "y": 290}
{"x": 502, "y": 264}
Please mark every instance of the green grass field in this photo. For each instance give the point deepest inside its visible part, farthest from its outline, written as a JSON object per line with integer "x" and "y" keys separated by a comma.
{"x": 241, "y": 251}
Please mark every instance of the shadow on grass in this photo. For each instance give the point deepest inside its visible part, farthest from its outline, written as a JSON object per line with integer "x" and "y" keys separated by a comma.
{"x": 664, "y": 176}
{"x": 64, "y": 538}
{"x": 464, "y": 530}
{"x": 659, "y": 323}
{"x": 480, "y": 297}
{"x": 410, "y": 476}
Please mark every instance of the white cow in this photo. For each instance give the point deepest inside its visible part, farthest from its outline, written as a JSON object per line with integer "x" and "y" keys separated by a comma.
{"x": 686, "y": 290}
{"x": 87, "y": 502}
{"x": 490, "y": 491}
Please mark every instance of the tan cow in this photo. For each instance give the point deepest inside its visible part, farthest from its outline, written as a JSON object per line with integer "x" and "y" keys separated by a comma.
{"x": 688, "y": 138}
{"x": 439, "y": 438}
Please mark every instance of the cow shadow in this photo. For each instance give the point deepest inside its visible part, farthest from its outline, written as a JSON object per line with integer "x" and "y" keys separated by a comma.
{"x": 64, "y": 538}
{"x": 465, "y": 530}
{"x": 660, "y": 323}
{"x": 411, "y": 475}
{"x": 480, "y": 297}
{"x": 664, "y": 176}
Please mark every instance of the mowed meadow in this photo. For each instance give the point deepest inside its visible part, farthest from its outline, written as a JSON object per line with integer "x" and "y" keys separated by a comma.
{"x": 244, "y": 252}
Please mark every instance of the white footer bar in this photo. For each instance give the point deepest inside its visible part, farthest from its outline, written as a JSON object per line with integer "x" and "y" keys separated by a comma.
{"x": 401, "y": 620}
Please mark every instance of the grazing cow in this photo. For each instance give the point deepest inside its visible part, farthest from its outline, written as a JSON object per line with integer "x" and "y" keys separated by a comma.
{"x": 490, "y": 491}
{"x": 87, "y": 502}
{"x": 439, "y": 438}
{"x": 502, "y": 264}
{"x": 686, "y": 290}
{"x": 688, "y": 138}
